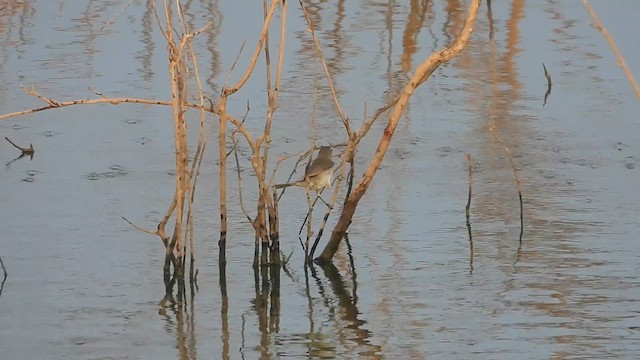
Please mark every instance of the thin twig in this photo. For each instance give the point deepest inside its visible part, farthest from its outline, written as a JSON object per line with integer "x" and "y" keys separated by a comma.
{"x": 421, "y": 74}
{"x": 470, "y": 165}
{"x": 150, "y": 232}
{"x": 54, "y": 104}
{"x": 235, "y": 152}
{"x": 32, "y": 91}
{"x": 115, "y": 16}
{"x": 242, "y": 207}
{"x": 284, "y": 158}
{"x": 621, "y": 61}
{"x": 336, "y": 186}
{"x": 4, "y": 270}
{"x": 235, "y": 62}
{"x": 25, "y": 151}
{"x": 96, "y": 92}
{"x": 548, "y": 76}
{"x": 254, "y": 58}
{"x": 316, "y": 43}
{"x": 467, "y": 212}
{"x": 492, "y": 129}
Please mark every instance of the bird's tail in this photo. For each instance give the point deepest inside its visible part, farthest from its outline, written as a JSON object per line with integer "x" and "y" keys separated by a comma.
{"x": 286, "y": 185}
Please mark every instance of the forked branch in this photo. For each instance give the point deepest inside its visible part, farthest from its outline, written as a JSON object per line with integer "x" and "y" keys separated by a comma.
{"x": 421, "y": 74}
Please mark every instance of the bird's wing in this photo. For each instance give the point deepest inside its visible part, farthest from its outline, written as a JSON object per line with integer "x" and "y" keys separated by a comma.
{"x": 318, "y": 166}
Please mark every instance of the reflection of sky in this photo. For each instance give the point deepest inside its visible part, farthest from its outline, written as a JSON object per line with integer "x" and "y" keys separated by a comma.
{"x": 65, "y": 242}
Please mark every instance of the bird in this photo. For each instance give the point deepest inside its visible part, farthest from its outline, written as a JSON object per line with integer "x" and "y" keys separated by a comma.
{"x": 317, "y": 174}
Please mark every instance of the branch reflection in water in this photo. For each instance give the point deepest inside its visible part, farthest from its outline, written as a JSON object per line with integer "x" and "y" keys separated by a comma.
{"x": 335, "y": 327}
{"x": 181, "y": 315}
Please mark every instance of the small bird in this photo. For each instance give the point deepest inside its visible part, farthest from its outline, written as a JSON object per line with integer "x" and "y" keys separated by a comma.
{"x": 317, "y": 175}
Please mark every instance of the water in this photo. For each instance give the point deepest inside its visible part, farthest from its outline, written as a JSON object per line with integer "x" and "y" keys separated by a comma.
{"x": 83, "y": 284}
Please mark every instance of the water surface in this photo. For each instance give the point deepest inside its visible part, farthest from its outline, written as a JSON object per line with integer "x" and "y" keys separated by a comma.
{"x": 83, "y": 284}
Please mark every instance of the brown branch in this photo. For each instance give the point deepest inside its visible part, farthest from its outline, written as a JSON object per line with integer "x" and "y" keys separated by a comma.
{"x": 95, "y": 91}
{"x": 25, "y": 151}
{"x": 112, "y": 101}
{"x": 334, "y": 197}
{"x": 198, "y": 156}
{"x": 155, "y": 12}
{"x": 256, "y": 53}
{"x": 470, "y": 165}
{"x": 150, "y": 232}
{"x": 546, "y": 94}
{"x": 235, "y": 152}
{"x": 115, "y": 101}
{"x": 240, "y": 197}
{"x": 422, "y": 73}
{"x": 116, "y": 16}
{"x": 619, "y": 57}
{"x": 366, "y": 126}
{"x": 32, "y": 91}
{"x": 284, "y": 158}
{"x": 492, "y": 129}
{"x": 316, "y": 43}
{"x": 4, "y": 270}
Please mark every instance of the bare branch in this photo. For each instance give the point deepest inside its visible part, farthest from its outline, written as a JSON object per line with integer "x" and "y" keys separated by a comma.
{"x": 254, "y": 58}
{"x": 607, "y": 36}
{"x": 336, "y": 102}
{"x": 492, "y": 129}
{"x": 115, "y": 16}
{"x": 421, "y": 74}
{"x": 140, "y": 228}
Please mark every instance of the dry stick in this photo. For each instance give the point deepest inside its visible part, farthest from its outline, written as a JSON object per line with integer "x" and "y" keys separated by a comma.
{"x": 197, "y": 161}
{"x": 177, "y": 92}
{"x": 492, "y": 129}
{"x": 25, "y": 151}
{"x": 4, "y": 270}
{"x": 470, "y": 165}
{"x": 263, "y": 191}
{"x": 96, "y": 92}
{"x": 619, "y": 57}
{"x": 548, "y": 76}
{"x": 54, "y": 104}
{"x": 286, "y": 157}
{"x": 422, "y": 73}
{"x": 308, "y": 219}
{"x": 302, "y": 156}
{"x": 178, "y": 72}
{"x": 467, "y": 211}
{"x": 353, "y": 138}
{"x": 256, "y": 53}
{"x": 57, "y": 105}
{"x": 235, "y": 151}
{"x": 178, "y": 97}
{"x": 336, "y": 102}
{"x": 349, "y": 152}
{"x": 158, "y": 21}
{"x": 221, "y": 108}
{"x": 150, "y": 232}
{"x": 242, "y": 207}
{"x": 222, "y": 168}
{"x": 116, "y": 16}
{"x": 272, "y": 95}
{"x": 32, "y": 91}
{"x": 260, "y": 165}
{"x": 314, "y": 129}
